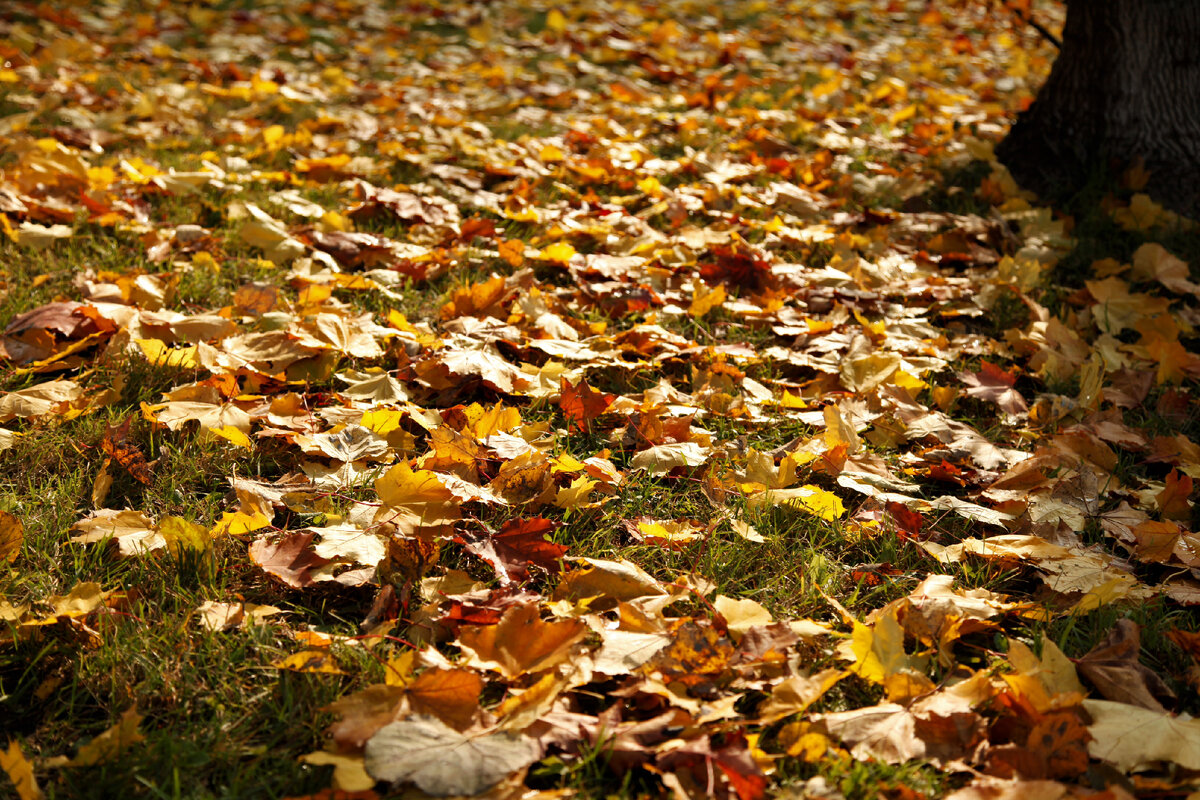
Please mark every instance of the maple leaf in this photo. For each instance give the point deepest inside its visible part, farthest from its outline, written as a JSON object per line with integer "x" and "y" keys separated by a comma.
{"x": 519, "y": 543}
{"x": 288, "y": 558}
{"x": 116, "y": 443}
{"x": 995, "y": 385}
{"x": 451, "y": 695}
{"x": 521, "y": 642}
{"x": 441, "y": 761}
{"x": 1160, "y": 736}
{"x": 415, "y": 499}
{"x": 581, "y": 404}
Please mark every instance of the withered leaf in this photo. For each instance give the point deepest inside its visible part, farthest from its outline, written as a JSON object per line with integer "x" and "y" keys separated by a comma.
{"x": 288, "y": 558}
{"x": 521, "y": 642}
{"x": 1114, "y": 669}
{"x": 441, "y": 761}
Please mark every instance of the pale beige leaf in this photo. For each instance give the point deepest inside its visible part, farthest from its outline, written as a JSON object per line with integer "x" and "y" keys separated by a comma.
{"x": 441, "y": 761}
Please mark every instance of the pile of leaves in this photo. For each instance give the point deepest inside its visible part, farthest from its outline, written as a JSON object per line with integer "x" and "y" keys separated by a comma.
{"x": 596, "y": 398}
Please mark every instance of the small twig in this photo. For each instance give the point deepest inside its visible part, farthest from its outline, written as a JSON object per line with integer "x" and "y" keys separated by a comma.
{"x": 1045, "y": 32}
{"x": 1037, "y": 26}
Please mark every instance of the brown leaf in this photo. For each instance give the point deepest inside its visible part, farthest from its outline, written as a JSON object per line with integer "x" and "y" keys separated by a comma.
{"x": 995, "y": 385}
{"x": 288, "y": 558}
{"x": 518, "y": 544}
{"x": 107, "y": 746}
{"x": 362, "y": 714}
{"x": 1053, "y": 745}
{"x": 1113, "y": 668}
{"x": 118, "y": 444}
{"x": 1173, "y": 499}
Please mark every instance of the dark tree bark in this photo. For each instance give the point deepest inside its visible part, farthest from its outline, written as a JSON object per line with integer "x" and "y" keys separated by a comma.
{"x": 1125, "y": 86}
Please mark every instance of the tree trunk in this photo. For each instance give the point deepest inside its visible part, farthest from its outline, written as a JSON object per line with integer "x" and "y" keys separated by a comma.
{"x": 1125, "y": 86}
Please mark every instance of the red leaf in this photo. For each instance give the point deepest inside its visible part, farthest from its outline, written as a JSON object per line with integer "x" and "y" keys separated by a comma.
{"x": 581, "y": 404}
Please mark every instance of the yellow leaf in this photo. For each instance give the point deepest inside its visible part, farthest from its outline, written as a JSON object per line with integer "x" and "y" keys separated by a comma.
{"x": 1047, "y": 683}
{"x": 576, "y": 495}
{"x": 551, "y": 154}
{"x": 804, "y": 740}
{"x": 415, "y": 499}
{"x": 878, "y": 649}
{"x": 400, "y": 668}
{"x": 650, "y": 186}
{"x": 107, "y": 746}
{"x": 236, "y": 523}
{"x": 908, "y": 381}
{"x": 797, "y": 693}
{"x": 181, "y": 534}
{"x": 904, "y": 114}
{"x": 232, "y": 434}
{"x": 349, "y": 773}
{"x": 790, "y": 400}
{"x": 483, "y": 421}
{"x": 20, "y": 772}
{"x": 556, "y": 21}
{"x": 809, "y": 498}
{"x": 527, "y": 214}
{"x": 160, "y": 355}
{"x": 704, "y": 300}
{"x": 321, "y": 661}
{"x": 559, "y": 252}
{"x": 12, "y": 535}
{"x": 272, "y": 136}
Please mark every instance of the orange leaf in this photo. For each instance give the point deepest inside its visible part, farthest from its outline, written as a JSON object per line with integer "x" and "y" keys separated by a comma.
{"x": 1173, "y": 499}
{"x": 581, "y": 404}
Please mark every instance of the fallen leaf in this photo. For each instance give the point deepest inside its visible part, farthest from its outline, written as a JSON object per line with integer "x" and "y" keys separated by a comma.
{"x": 107, "y": 746}
{"x": 1133, "y": 738}
{"x": 441, "y": 761}
{"x": 20, "y": 772}
{"x": 451, "y": 695}
{"x": 521, "y": 642}
{"x": 808, "y": 498}
{"x": 349, "y": 771}
{"x": 1114, "y": 669}
{"x": 12, "y": 536}
{"x": 313, "y": 660}
{"x": 289, "y": 558}
{"x": 661, "y": 459}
